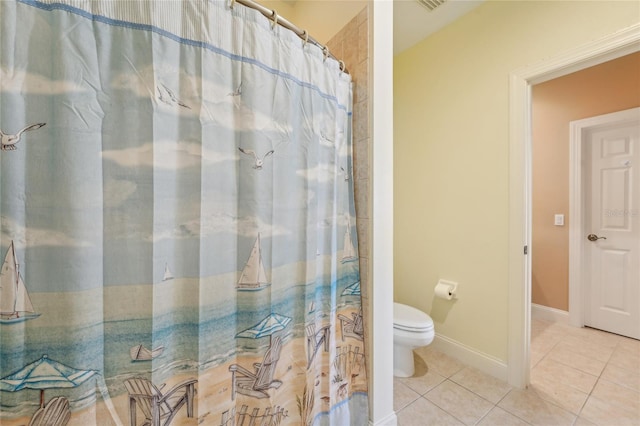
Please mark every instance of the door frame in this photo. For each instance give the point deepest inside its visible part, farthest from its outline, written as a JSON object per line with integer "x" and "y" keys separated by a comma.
{"x": 577, "y": 208}
{"x": 521, "y": 81}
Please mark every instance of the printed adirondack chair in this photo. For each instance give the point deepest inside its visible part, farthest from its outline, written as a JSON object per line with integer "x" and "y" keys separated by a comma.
{"x": 257, "y": 383}
{"x": 55, "y": 413}
{"x": 352, "y": 327}
{"x": 315, "y": 339}
{"x": 158, "y": 409}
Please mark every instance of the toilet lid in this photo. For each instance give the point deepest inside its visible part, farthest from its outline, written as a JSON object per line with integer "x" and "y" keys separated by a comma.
{"x": 411, "y": 319}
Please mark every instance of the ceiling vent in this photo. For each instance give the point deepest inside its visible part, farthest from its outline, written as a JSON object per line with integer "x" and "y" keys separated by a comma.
{"x": 431, "y": 4}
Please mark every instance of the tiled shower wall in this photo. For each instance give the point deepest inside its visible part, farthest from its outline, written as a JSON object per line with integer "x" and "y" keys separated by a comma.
{"x": 351, "y": 45}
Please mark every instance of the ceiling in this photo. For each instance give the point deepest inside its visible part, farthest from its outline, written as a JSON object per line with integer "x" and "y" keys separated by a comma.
{"x": 413, "y": 22}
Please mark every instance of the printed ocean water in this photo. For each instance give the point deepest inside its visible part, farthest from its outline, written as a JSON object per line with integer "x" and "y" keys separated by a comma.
{"x": 195, "y": 337}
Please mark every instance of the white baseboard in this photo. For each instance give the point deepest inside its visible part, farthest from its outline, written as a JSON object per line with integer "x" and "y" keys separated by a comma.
{"x": 546, "y": 313}
{"x": 473, "y": 358}
{"x": 390, "y": 420}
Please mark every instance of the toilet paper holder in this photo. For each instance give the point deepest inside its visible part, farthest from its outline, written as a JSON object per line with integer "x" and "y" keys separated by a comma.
{"x": 446, "y": 289}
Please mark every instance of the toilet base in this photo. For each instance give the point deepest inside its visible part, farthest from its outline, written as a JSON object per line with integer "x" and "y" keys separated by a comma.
{"x": 403, "y": 361}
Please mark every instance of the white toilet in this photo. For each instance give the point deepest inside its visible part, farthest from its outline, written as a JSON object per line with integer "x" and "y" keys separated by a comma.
{"x": 412, "y": 329}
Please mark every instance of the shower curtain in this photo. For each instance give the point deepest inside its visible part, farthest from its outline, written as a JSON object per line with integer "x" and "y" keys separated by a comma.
{"x": 177, "y": 219}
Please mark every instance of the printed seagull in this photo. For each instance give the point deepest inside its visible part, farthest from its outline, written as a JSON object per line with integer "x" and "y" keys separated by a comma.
{"x": 237, "y": 92}
{"x": 9, "y": 141}
{"x": 326, "y": 139}
{"x": 346, "y": 175}
{"x": 168, "y": 97}
{"x": 258, "y": 161}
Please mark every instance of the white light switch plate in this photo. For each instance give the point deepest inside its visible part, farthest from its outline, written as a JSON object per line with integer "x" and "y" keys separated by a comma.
{"x": 558, "y": 220}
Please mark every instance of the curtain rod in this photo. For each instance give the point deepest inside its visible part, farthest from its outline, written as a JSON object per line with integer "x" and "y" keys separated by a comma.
{"x": 303, "y": 34}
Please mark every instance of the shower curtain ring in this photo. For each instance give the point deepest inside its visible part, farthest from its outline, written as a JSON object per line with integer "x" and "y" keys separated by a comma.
{"x": 305, "y": 38}
{"x": 274, "y": 15}
{"x": 325, "y": 52}
{"x": 342, "y": 65}
{"x": 231, "y": 4}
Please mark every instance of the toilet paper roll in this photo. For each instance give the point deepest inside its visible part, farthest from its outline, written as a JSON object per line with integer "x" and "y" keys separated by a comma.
{"x": 443, "y": 291}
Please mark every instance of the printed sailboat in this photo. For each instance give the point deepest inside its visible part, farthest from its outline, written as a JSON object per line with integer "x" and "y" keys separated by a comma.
{"x": 15, "y": 303}
{"x": 253, "y": 277}
{"x": 168, "y": 275}
{"x": 349, "y": 251}
{"x": 140, "y": 353}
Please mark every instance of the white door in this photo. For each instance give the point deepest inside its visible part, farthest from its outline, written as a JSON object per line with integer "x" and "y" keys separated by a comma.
{"x": 612, "y": 228}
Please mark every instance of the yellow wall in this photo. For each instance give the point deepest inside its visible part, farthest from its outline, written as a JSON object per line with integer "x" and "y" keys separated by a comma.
{"x": 286, "y": 10}
{"x": 609, "y": 87}
{"x": 283, "y": 9}
{"x": 324, "y": 18}
{"x": 451, "y": 94}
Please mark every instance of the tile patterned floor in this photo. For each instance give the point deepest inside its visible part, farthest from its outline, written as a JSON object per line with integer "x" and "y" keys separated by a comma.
{"x": 579, "y": 376}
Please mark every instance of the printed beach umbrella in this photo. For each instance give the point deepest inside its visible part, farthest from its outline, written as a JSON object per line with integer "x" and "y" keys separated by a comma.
{"x": 44, "y": 374}
{"x": 272, "y": 323}
{"x": 352, "y": 290}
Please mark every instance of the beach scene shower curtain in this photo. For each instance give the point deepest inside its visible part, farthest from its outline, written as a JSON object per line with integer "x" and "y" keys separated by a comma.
{"x": 177, "y": 216}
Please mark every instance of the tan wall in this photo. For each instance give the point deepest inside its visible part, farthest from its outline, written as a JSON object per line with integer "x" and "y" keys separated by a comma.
{"x": 351, "y": 44}
{"x": 451, "y": 154}
{"x": 609, "y": 87}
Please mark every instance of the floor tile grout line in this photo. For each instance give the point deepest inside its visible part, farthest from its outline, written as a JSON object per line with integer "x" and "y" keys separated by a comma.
{"x": 616, "y": 365}
{"x": 551, "y": 401}
{"x": 587, "y": 399}
{"x": 622, "y": 385}
{"x": 506, "y": 410}
{"x": 410, "y": 402}
{"x": 571, "y": 383}
{"x": 568, "y": 365}
{"x": 446, "y": 411}
{"x": 597, "y": 398}
{"x": 475, "y": 393}
{"x": 495, "y": 405}
{"x": 485, "y": 415}
{"x": 546, "y": 354}
{"x": 577, "y": 415}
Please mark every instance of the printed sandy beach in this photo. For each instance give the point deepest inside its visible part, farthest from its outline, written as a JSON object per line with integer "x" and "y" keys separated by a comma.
{"x": 334, "y": 376}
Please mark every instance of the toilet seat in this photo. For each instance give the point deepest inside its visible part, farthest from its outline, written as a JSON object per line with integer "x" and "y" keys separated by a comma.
{"x": 411, "y": 319}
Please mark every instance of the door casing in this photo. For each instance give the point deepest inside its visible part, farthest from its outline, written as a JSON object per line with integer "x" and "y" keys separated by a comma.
{"x": 616, "y": 45}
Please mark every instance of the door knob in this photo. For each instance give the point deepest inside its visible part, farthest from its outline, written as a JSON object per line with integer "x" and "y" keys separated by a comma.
{"x": 594, "y": 237}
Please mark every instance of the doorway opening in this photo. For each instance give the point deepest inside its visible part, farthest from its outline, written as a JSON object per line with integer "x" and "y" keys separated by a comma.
{"x": 520, "y": 191}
